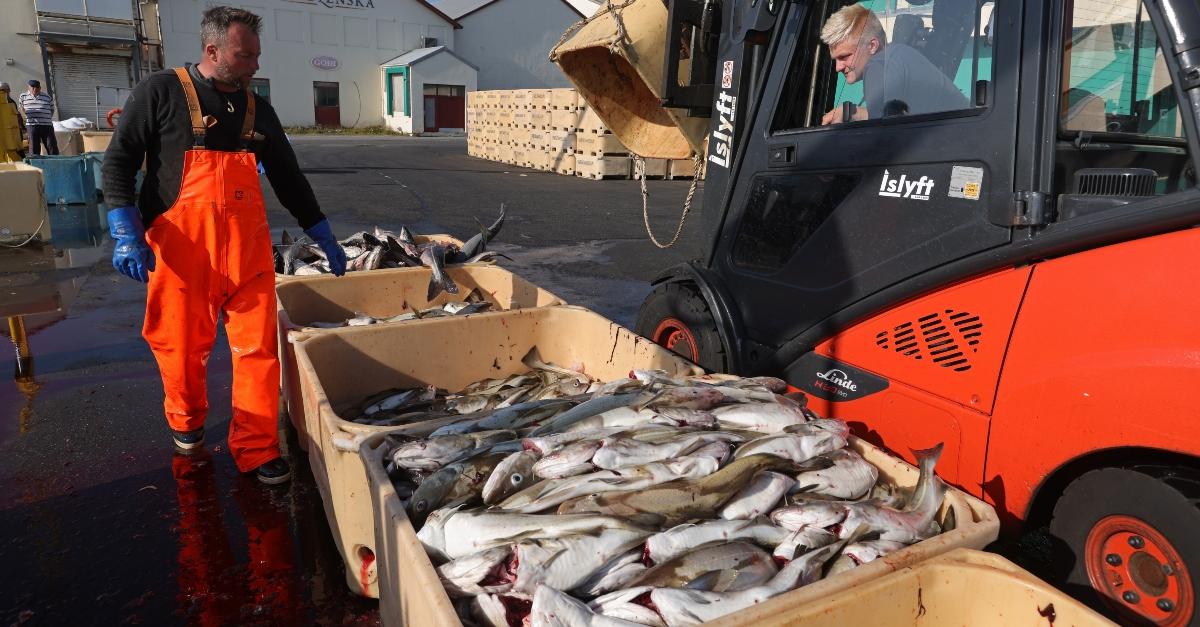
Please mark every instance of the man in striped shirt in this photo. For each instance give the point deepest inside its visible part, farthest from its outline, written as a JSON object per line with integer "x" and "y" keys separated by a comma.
{"x": 39, "y": 118}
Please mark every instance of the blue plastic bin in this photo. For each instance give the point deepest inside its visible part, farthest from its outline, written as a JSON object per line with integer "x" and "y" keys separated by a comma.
{"x": 97, "y": 161}
{"x": 68, "y": 180}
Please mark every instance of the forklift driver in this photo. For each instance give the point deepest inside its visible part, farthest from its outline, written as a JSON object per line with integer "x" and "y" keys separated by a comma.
{"x": 898, "y": 79}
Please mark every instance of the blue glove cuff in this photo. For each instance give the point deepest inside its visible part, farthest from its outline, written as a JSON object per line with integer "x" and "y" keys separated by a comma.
{"x": 320, "y": 231}
{"x": 125, "y": 222}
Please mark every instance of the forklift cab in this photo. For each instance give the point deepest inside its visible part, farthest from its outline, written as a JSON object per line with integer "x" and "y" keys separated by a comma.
{"x": 830, "y": 206}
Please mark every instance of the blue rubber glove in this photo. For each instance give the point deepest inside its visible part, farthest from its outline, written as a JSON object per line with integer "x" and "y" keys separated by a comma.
{"x": 132, "y": 255}
{"x": 322, "y": 234}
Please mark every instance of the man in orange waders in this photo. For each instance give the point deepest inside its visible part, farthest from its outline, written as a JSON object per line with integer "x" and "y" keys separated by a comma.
{"x": 198, "y": 234}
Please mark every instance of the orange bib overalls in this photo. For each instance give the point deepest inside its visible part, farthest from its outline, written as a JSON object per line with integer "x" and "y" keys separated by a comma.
{"x": 214, "y": 257}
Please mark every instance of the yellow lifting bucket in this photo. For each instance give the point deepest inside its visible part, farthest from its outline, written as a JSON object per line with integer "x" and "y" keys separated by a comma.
{"x": 621, "y": 78}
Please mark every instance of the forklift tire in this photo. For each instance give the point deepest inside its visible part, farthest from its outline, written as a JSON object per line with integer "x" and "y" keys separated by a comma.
{"x": 675, "y": 316}
{"x": 1127, "y": 544}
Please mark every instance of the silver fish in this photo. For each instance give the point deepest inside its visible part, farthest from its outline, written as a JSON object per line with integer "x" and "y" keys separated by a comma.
{"x": 614, "y": 575}
{"x": 512, "y": 475}
{"x": 552, "y": 608}
{"x": 453, "y": 532}
{"x": 573, "y": 459}
{"x": 615, "y": 452}
{"x": 758, "y": 498}
{"x": 794, "y": 446}
{"x": 862, "y": 552}
{"x": 567, "y": 561}
{"x": 462, "y": 576}
{"x": 591, "y": 407}
{"x": 802, "y": 541}
{"x": 763, "y": 417}
{"x": 723, "y": 567}
{"x": 842, "y": 474}
{"x": 433, "y": 453}
{"x": 546, "y": 494}
{"x": 680, "y": 539}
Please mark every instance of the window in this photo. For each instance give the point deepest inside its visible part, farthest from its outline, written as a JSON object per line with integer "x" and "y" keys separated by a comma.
{"x": 262, "y": 87}
{"x": 889, "y": 58}
{"x": 1114, "y": 76}
{"x": 444, "y": 90}
{"x": 325, "y": 94}
{"x": 782, "y": 212}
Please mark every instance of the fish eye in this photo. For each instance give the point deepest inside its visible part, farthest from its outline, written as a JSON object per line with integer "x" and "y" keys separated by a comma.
{"x": 419, "y": 505}
{"x": 517, "y": 478}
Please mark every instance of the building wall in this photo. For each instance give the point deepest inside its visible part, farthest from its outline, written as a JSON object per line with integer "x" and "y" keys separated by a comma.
{"x": 296, "y": 31}
{"x": 509, "y": 41}
{"x": 439, "y": 69}
{"x": 19, "y": 17}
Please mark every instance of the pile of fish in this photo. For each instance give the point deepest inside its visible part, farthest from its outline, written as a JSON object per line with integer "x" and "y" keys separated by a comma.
{"x": 386, "y": 249}
{"x": 554, "y": 499}
{"x": 474, "y": 303}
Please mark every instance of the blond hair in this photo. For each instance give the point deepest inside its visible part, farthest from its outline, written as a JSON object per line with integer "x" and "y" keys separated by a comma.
{"x": 850, "y": 21}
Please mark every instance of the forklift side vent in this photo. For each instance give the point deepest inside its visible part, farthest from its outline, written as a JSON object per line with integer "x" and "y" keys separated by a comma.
{"x": 947, "y": 338}
{"x": 1115, "y": 182}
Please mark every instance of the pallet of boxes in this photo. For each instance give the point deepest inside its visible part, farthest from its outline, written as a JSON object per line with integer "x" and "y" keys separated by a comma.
{"x": 553, "y": 130}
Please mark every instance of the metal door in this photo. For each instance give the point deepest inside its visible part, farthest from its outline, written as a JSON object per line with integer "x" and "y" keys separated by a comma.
{"x": 76, "y": 77}
{"x": 325, "y": 102}
{"x": 431, "y": 123}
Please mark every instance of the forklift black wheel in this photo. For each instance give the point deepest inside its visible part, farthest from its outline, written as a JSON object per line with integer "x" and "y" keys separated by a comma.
{"x": 1126, "y": 544}
{"x": 676, "y": 317}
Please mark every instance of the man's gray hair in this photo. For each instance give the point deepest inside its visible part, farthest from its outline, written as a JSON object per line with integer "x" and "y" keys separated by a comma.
{"x": 850, "y": 21}
{"x": 217, "y": 20}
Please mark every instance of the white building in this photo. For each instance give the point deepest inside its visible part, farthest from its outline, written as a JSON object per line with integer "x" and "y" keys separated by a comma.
{"x": 509, "y": 40}
{"x": 87, "y": 55}
{"x": 323, "y": 61}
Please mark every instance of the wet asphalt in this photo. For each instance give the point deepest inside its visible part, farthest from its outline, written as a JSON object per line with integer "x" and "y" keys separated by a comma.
{"x": 102, "y": 523}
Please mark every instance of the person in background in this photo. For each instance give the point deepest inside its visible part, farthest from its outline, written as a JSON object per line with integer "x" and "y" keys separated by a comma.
{"x": 12, "y": 127}
{"x": 198, "y": 234}
{"x": 39, "y": 118}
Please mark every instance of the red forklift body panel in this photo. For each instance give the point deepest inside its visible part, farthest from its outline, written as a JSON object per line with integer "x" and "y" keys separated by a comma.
{"x": 941, "y": 355}
{"x": 1105, "y": 354}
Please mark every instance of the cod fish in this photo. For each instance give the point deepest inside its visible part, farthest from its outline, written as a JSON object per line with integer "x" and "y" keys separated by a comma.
{"x": 757, "y": 498}
{"x": 567, "y": 561}
{"x": 511, "y": 475}
{"x": 802, "y": 541}
{"x": 842, "y": 474}
{"x": 679, "y": 501}
{"x": 691, "y": 607}
{"x": 615, "y": 452}
{"x": 457, "y": 482}
{"x": 762, "y": 417}
{"x": 614, "y": 575}
{"x": 680, "y": 539}
{"x": 552, "y": 608}
{"x": 573, "y": 459}
{"x": 452, "y": 532}
{"x": 546, "y": 494}
{"x": 794, "y": 446}
{"x": 463, "y": 577}
{"x": 725, "y": 567}
{"x": 433, "y": 453}
{"x": 915, "y": 522}
{"x": 592, "y": 407}
{"x": 860, "y": 553}
{"x": 477, "y": 245}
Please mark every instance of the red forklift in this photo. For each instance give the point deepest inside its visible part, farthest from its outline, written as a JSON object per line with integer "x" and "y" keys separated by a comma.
{"x": 1013, "y": 270}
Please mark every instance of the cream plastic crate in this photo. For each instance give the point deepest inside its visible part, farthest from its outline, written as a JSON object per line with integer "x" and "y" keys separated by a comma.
{"x": 589, "y": 122}
{"x": 25, "y": 213}
{"x": 334, "y": 371}
{"x": 561, "y": 141}
{"x": 595, "y": 145}
{"x": 961, "y": 587}
{"x": 539, "y": 98}
{"x": 411, "y": 594}
{"x": 304, "y": 300}
{"x": 683, "y": 169}
{"x": 563, "y": 163}
{"x": 597, "y": 168}
{"x": 540, "y": 119}
{"x": 564, "y": 98}
{"x": 565, "y": 119}
{"x": 655, "y": 168}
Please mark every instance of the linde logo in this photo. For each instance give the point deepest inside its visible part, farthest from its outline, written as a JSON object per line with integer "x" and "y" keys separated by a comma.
{"x": 838, "y": 378}
{"x": 340, "y": 4}
{"x": 903, "y": 188}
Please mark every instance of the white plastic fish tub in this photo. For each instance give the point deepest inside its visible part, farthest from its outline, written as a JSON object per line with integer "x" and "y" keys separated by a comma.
{"x": 962, "y": 587}
{"x": 350, "y": 364}
{"x": 379, "y": 293}
{"x": 411, "y": 594}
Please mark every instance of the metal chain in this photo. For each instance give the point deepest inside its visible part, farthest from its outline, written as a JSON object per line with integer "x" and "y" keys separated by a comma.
{"x": 639, "y": 166}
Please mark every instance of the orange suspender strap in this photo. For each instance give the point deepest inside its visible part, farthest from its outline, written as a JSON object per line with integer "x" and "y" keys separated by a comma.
{"x": 193, "y": 104}
{"x": 248, "y": 122}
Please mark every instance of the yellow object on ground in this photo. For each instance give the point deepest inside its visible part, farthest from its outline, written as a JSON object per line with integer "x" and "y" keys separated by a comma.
{"x": 10, "y": 131}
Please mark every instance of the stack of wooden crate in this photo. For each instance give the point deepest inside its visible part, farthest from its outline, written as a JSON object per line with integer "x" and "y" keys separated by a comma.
{"x": 553, "y": 130}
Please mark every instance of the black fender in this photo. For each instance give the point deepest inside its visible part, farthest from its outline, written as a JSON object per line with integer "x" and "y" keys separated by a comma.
{"x": 720, "y": 305}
